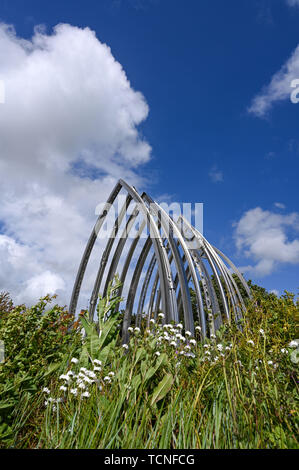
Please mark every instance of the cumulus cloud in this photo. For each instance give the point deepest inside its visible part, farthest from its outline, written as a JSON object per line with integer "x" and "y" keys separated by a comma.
{"x": 274, "y": 291}
{"x": 68, "y": 131}
{"x": 280, "y": 87}
{"x": 215, "y": 174}
{"x": 279, "y": 205}
{"x": 265, "y": 237}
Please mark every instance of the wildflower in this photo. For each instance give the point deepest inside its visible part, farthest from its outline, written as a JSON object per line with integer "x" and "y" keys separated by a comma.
{"x": 152, "y": 320}
{"x": 250, "y": 342}
{"x": 294, "y": 343}
{"x": 191, "y": 355}
{"x": 63, "y": 388}
{"x": 137, "y": 329}
{"x": 97, "y": 369}
{"x": 74, "y": 360}
{"x": 173, "y": 343}
{"x": 130, "y": 329}
{"x": 74, "y": 391}
{"x": 188, "y": 333}
{"x": 213, "y": 336}
{"x": 85, "y": 394}
{"x": 208, "y": 353}
{"x": 284, "y": 351}
{"x": 64, "y": 377}
{"x": 83, "y": 369}
{"x": 161, "y": 315}
{"x": 82, "y": 385}
{"x": 157, "y": 353}
{"x": 107, "y": 379}
{"x": 96, "y": 361}
{"x": 227, "y": 348}
{"x": 261, "y": 331}
{"x": 91, "y": 374}
{"x": 87, "y": 379}
{"x": 192, "y": 341}
{"x": 125, "y": 346}
{"x": 54, "y": 408}
{"x": 270, "y": 363}
{"x": 111, "y": 374}
{"x": 219, "y": 347}
{"x": 46, "y": 390}
{"x": 70, "y": 373}
{"x": 180, "y": 326}
{"x": 198, "y": 328}
{"x": 46, "y": 403}
{"x": 187, "y": 347}
{"x": 206, "y": 345}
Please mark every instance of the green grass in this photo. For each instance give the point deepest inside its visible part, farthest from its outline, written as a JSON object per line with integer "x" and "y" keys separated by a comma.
{"x": 245, "y": 398}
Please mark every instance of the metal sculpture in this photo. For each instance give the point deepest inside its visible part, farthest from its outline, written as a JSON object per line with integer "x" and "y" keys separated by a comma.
{"x": 170, "y": 268}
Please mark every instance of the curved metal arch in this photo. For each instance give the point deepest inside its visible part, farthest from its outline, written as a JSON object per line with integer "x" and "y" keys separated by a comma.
{"x": 176, "y": 262}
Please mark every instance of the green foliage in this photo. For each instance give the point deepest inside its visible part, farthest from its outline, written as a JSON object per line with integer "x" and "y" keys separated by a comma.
{"x": 34, "y": 340}
{"x": 239, "y": 390}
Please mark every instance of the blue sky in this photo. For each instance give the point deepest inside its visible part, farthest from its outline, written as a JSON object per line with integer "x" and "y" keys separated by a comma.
{"x": 199, "y": 66}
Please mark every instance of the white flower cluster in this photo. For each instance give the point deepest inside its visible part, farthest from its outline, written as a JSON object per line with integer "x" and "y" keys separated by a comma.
{"x": 214, "y": 352}
{"x": 167, "y": 335}
{"x": 172, "y": 335}
{"x": 79, "y": 383}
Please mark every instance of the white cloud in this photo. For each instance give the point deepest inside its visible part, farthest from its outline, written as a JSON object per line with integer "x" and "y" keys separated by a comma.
{"x": 68, "y": 131}
{"x": 215, "y": 174}
{"x": 274, "y": 291}
{"x": 279, "y": 88}
{"x": 279, "y": 205}
{"x": 264, "y": 237}
{"x": 293, "y": 3}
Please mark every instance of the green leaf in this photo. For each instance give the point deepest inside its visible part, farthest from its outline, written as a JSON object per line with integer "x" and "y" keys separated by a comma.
{"x": 148, "y": 373}
{"x": 162, "y": 389}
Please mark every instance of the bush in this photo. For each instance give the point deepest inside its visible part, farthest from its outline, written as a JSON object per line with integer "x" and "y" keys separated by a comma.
{"x": 34, "y": 339}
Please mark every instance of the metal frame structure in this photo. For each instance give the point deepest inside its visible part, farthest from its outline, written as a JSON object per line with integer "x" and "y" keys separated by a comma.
{"x": 168, "y": 265}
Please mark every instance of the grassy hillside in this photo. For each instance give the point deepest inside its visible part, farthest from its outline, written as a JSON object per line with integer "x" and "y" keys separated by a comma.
{"x": 164, "y": 389}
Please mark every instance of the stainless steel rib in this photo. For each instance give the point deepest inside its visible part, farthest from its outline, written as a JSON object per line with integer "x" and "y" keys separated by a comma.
{"x": 162, "y": 269}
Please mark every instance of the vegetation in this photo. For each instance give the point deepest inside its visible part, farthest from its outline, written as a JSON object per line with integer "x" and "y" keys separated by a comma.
{"x": 60, "y": 388}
